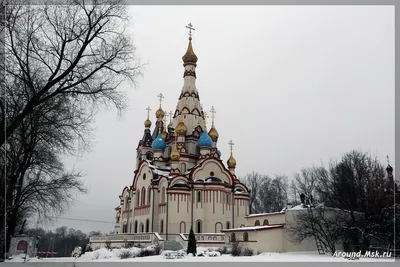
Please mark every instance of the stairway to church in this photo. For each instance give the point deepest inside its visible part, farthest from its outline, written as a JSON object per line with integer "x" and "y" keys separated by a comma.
{"x": 172, "y": 245}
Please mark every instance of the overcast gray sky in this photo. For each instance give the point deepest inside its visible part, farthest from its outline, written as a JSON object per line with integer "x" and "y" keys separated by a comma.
{"x": 292, "y": 86}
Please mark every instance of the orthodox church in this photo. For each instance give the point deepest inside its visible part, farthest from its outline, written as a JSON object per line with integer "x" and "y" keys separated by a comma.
{"x": 180, "y": 180}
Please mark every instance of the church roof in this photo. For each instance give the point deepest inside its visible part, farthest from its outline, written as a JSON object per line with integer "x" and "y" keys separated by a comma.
{"x": 254, "y": 228}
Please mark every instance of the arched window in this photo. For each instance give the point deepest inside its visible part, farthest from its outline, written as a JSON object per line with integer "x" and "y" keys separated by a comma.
{"x": 141, "y": 227}
{"x": 265, "y": 222}
{"x": 137, "y": 198}
{"x": 22, "y": 245}
{"x": 218, "y": 227}
{"x": 143, "y": 196}
{"x": 162, "y": 226}
{"x": 149, "y": 156}
{"x": 126, "y": 203}
{"x": 147, "y": 225}
{"x": 228, "y": 225}
{"x": 182, "y": 227}
{"x": 130, "y": 227}
{"x": 149, "y": 195}
{"x": 245, "y": 236}
{"x": 227, "y": 199}
{"x": 233, "y": 237}
{"x": 136, "y": 226}
{"x": 124, "y": 227}
{"x": 199, "y": 196}
{"x": 183, "y": 167}
{"x": 163, "y": 194}
{"x": 198, "y": 223}
{"x": 257, "y": 223}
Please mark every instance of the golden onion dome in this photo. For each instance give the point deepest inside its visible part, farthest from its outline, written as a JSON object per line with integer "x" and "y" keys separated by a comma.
{"x": 213, "y": 133}
{"x": 147, "y": 123}
{"x": 175, "y": 154}
{"x": 181, "y": 127}
{"x": 160, "y": 113}
{"x": 190, "y": 56}
{"x": 231, "y": 162}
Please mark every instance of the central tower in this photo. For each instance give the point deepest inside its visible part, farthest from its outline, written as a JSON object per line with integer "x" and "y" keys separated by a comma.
{"x": 188, "y": 119}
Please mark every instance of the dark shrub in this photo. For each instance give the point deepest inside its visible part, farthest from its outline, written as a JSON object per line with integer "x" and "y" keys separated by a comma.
{"x": 223, "y": 250}
{"x": 248, "y": 252}
{"x": 236, "y": 248}
{"x": 125, "y": 254}
{"x": 157, "y": 249}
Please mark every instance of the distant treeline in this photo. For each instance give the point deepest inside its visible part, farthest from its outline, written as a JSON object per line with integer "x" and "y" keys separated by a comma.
{"x": 62, "y": 240}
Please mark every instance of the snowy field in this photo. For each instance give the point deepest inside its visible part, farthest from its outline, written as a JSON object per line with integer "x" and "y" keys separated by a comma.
{"x": 104, "y": 255}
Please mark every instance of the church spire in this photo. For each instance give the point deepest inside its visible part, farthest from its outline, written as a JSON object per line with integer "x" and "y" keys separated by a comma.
{"x": 213, "y": 132}
{"x": 147, "y": 122}
{"x": 189, "y": 101}
{"x": 231, "y": 161}
{"x": 160, "y": 113}
{"x": 190, "y": 56}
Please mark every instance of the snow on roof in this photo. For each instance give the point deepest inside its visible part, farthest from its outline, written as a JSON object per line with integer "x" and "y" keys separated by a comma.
{"x": 265, "y": 214}
{"x": 253, "y": 228}
{"x": 298, "y": 207}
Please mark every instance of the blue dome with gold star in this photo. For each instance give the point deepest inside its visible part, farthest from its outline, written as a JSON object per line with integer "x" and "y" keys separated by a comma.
{"x": 159, "y": 143}
{"x": 205, "y": 139}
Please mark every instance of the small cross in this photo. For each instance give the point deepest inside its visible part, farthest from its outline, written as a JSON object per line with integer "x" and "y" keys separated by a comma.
{"x": 160, "y": 96}
{"x": 148, "y": 111}
{"x": 205, "y": 117}
{"x": 213, "y": 113}
{"x": 388, "y": 159}
{"x": 190, "y": 27}
{"x": 231, "y": 144}
{"x": 171, "y": 114}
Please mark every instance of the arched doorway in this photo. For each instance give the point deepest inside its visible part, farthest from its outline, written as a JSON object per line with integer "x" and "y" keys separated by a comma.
{"x": 182, "y": 227}
{"x": 198, "y": 226}
{"x": 218, "y": 227}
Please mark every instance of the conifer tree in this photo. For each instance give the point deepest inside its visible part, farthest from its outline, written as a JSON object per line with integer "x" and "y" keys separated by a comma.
{"x": 192, "y": 243}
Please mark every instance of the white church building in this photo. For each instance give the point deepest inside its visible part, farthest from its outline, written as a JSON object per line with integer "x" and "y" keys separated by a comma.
{"x": 180, "y": 181}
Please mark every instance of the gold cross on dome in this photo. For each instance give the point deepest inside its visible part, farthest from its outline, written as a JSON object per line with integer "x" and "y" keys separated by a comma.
{"x": 171, "y": 114}
{"x": 190, "y": 27}
{"x": 205, "y": 119}
{"x": 213, "y": 113}
{"x": 388, "y": 159}
{"x": 231, "y": 144}
{"x": 148, "y": 111}
{"x": 160, "y": 97}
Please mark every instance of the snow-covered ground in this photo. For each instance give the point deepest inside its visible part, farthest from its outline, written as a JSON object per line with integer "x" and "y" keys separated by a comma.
{"x": 104, "y": 255}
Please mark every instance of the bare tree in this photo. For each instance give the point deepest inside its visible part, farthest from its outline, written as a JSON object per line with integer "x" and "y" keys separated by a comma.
{"x": 273, "y": 193}
{"x": 294, "y": 194}
{"x": 306, "y": 182}
{"x": 355, "y": 185}
{"x": 326, "y": 224}
{"x": 74, "y": 50}
{"x": 37, "y": 183}
{"x": 253, "y": 182}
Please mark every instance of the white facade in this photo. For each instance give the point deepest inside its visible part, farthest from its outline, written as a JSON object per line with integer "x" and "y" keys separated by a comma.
{"x": 194, "y": 188}
{"x": 180, "y": 182}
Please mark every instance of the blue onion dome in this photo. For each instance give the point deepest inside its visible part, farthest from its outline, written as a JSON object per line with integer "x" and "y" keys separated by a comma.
{"x": 159, "y": 143}
{"x": 219, "y": 153}
{"x": 205, "y": 139}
